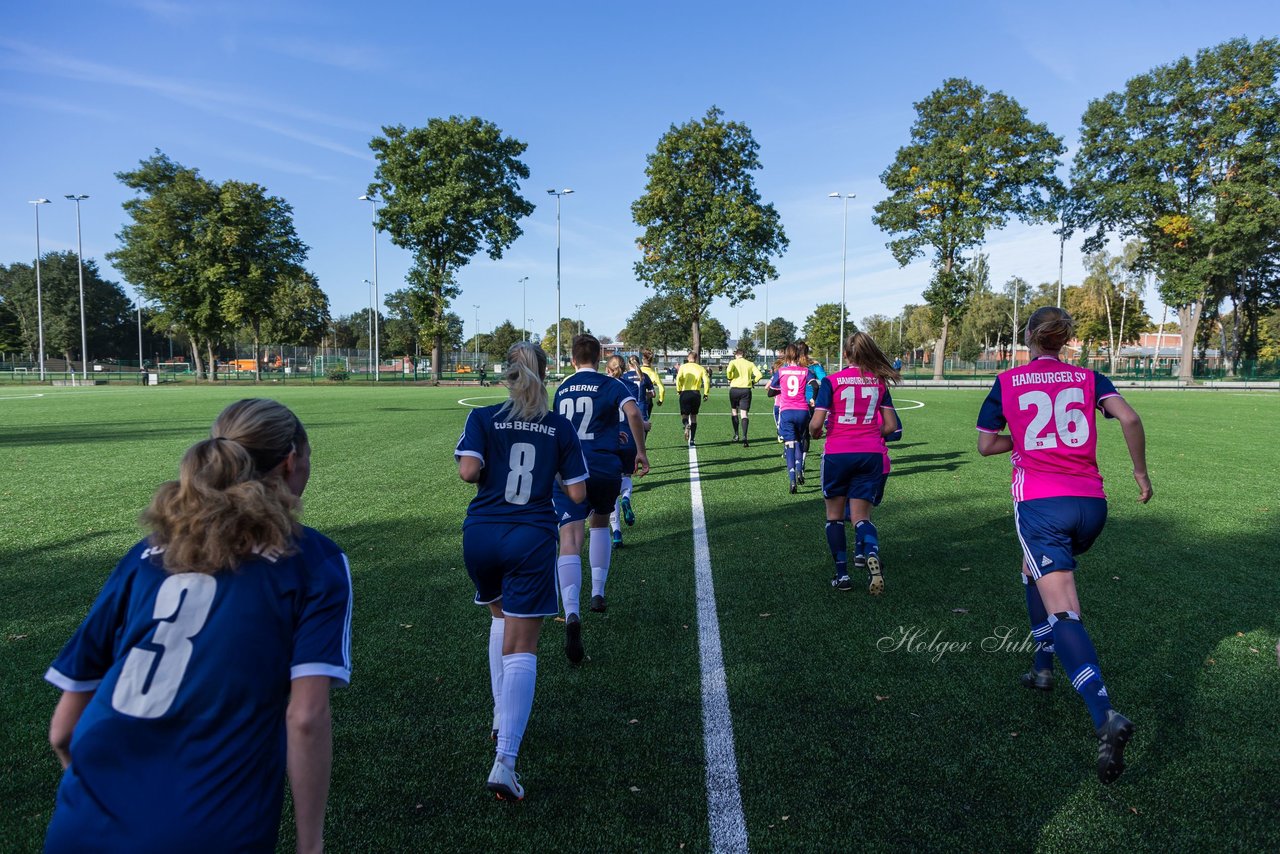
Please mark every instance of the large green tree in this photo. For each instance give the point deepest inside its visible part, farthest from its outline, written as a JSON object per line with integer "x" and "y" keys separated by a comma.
{"x": 449, "y": 190}
{"x": 974, "y": 162}
{"x": 107, "y": 311}
{"x": 298, "y": 313}
{"x": 1187, "y": 158}
{"x": 707, "y": 233}
{"x": 779, "y": 333}
{"x": 655, "y": 324}
{"x": 822, "y": 331}
{"x": 568, "y": 328}
{"x": 165, "y": 251}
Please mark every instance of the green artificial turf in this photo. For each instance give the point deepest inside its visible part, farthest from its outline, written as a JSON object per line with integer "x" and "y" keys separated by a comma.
{"x": 840, "y": 744}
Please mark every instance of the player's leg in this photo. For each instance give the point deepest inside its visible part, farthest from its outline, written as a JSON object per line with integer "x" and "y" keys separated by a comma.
{"x": 569, "y": 569}
{"x": 497, "y": 632}
{"x": 1040, "y": 676}
{"x": 866, "y": 544}
{"x": 602, "y": 492}
{"x": 482, "y": 556}
{"x": 695, "y": 405}
{"x": 837, "y": 542}
{"x": 734, "y": 411}
{"x": 744, "y": 414}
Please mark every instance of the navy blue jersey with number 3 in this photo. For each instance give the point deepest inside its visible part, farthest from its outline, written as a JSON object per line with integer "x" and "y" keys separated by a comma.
{"x": 521, "y": 461}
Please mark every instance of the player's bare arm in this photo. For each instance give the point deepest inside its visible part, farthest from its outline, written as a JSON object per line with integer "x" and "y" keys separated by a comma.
{"x": 65, "y": 717}
{"x": 990, "y": 444}
{"x": 632, "y": 413}
{"x": 1136, "y": 438}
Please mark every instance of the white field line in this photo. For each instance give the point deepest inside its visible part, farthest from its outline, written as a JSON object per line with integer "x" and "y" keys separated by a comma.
{"x": 728, "y": 826}
{"x": 466, "y": 401}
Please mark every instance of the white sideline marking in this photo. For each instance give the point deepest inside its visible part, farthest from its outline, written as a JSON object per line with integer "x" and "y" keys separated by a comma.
{"x": 724, "y": 798}
{"x": 22, "y": 397}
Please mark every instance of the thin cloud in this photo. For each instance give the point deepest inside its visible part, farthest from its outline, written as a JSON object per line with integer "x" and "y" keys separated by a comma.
{"x": 347, "y": 57}
{"x": 54, "y": 105}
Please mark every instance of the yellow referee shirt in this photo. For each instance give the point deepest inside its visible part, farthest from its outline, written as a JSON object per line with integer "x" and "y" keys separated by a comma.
{"x": 742, "y": 374}
{"x": 659, "y": 390}
{"x": 692, "y": 375}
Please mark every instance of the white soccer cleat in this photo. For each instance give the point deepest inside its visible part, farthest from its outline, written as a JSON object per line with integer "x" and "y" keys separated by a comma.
{"x": 504, "y": 782}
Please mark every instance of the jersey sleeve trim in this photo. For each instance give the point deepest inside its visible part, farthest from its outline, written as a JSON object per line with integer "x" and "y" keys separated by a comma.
{"x": 571, "y": 481}
{"x": 60, "y": 680}
{"x": 479, "y": 456}
{"x": 989, "y": 430}
{"x": 342, "y": 674}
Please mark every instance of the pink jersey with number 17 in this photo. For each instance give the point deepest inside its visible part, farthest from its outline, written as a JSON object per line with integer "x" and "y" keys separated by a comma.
{"x": 1050, "y": 408}
{"x": 854, "y": 399}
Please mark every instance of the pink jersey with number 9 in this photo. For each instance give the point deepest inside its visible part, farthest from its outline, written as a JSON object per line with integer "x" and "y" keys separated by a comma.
{"x": 790, "y": 382}
{"x": 1050, "y": 408}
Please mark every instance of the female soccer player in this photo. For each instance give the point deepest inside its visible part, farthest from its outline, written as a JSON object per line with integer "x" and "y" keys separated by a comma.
{"x": 788, "y": 386}
{"x": 640, "y": 386}
{"x": 1059, "y": 507}
{"x": 514, "y": 451}
{"x": 203, "y": 668}
{"x": 856, "y": 408}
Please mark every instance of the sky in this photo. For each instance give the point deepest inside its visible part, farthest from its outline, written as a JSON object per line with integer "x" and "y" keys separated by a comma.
{"x": 289, "y": 93}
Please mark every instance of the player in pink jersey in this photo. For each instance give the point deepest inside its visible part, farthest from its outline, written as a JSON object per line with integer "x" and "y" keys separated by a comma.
{"x": 788, "y": 385}
{"x": 855, "y": 407}
{"x": 1059, "y": 506}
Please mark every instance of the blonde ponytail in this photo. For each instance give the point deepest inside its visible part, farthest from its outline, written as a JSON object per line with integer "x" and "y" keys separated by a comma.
{"x": 526, "y": 367}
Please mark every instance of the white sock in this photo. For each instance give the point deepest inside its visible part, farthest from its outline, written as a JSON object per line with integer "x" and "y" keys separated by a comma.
{"x": 614, "y": 524}
{"x": 497, "y": 628}
{"x": 626, "y": 486}
{"x": 599, "y": 552}
{"x": 569, "y": 571}
{"x": 520, "y": 671}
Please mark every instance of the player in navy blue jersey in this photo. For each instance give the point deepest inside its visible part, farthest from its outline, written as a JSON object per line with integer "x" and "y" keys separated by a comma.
{"x": 642, "y": 388}
{"x": 596, "y": 404}
{"x": 204, "y": 666}
{"x": 514, "y": 452}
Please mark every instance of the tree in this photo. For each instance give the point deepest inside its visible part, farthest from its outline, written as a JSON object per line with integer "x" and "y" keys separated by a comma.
{"x": 449, "y": 190}
{"x": 655, "y": 324}
{"x": 568, "y": 329}
{"x": 747, "y": 344}
{"x": 504, "y": 335}
{"x": 715, "y": 335}
{"x": 255, "y": 250}
{"x": 298, "y": 313}
{"x": 706, "y": 232}
{"x": 107, "y": 311}
{"x": 1187, "y": 159}
{"x": 780, "y": 332}
{"x": 166, "y": 253}
{"x": 975, "y": 160}
{"x": 822, "y": 331}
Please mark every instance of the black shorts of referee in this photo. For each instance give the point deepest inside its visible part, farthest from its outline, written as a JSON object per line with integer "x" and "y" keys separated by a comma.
{"x": 740, "y": 398}
{"x": 690, "y": 402}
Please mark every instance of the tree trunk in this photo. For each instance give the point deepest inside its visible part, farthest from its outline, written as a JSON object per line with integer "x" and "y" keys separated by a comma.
{"x": 195, "y": 357}
{"x": 213, "y": 363}
{"x": 940, "y": 347}
{"x": 257, "y": 363}
{"x": 695, "y": 339}
{"x": 437, "y": 349}
{"x": 1188, "y": 319}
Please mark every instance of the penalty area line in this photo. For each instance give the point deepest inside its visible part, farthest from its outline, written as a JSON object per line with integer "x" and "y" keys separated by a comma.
{"x": 726, "y": 822}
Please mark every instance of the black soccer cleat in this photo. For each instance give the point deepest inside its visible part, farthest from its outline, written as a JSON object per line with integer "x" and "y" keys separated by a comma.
{"x": 800, "y": 478}
{"x": 573, "y": 638}
{"x": 597, "y": 604}
{"x": 746, "y": 444}
{"x": 1113, "y": 735}
{"x": 1037, "y": 680}
{"x": 842, "y": 583}
{"x": 793, "y": 489}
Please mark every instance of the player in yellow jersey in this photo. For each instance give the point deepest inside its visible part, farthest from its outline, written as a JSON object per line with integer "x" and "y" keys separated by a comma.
{"x": 659, "y": 390}
{"x": 694, "y": 385}
{"x": 742, "y": 376}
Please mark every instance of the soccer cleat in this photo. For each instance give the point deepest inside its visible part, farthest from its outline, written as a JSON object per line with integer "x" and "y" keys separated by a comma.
{"x": 800, "y": 477}
{"x": 493, "y": 734}
{"x": 735, "y": 438}
{"x": 628, "y": 515}
{"x": 1113, "y": 735}
{"x": 1038, "y": 680}
{"x": 842, "y": 583}
{"x": 691, "y": 443}
{"x": 573, "y": 638}
{"x": 746, "y": 444}
{"x": 504, "y": 783}
{"x": 597, "y": 604}
{"x": 793, "y": 489}
{"x": 616, "y": 537}
{"x": 875, "y": 575}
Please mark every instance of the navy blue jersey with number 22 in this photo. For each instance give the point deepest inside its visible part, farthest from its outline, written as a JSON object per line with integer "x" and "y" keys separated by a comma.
{"x": 593, "y": 401}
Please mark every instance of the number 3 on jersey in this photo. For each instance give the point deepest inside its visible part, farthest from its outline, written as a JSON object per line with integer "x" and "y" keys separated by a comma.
{"x": 181, "y": 618}
{"x": 1072, "y": 425}
{"x": 584, "y": 409}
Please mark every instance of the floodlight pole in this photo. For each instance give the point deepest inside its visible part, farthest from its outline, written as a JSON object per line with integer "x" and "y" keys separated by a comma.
{"x": 844, "y": 264}
{"x": 377, "y": 355}
{"x": 477, "y": 338}
{"x": 36, "y": 203}
{"x": 558, "y": 194}
{"x": 579, "y": 306}
{"x": 84, "y": 340}
{"x": 524, "y": 304}
{"x": 369, "y": 353}
{"x": 139, "y": 302}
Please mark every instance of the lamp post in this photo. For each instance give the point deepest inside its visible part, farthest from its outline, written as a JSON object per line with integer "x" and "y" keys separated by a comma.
{"x": 373, "y": 200}
{"x": 766, "y": 319}
{"x": 84, "y": 339}
{"x": 558, "y": 193}
{"x": 369, "y": 357}
{"x": 524, "y": 304}
{"x": 579, "y": 306}
{"x": 476, "y": 340}
{"x": 1014, "y": 348}
{"x": 844, "y": 263}
{"x": 36, "y": 203}
{"x": 138, "y": 300}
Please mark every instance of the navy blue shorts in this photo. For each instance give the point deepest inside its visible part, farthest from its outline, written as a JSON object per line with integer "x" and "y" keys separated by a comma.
{"x": 1053, "y": 531}
{"x": 514, "y": 563}
{"x": 602, "y": 492}
{"x": 792, "y": 424}
{"x": 628, "y": 457}
{"x": 859, "y": 476}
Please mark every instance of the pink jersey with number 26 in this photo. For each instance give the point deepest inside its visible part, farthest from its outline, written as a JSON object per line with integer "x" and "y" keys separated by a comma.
{"x": 1050, "y": 408}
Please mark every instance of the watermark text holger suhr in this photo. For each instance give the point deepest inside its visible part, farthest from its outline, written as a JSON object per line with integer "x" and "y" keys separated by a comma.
{"x": 919, "y": 640}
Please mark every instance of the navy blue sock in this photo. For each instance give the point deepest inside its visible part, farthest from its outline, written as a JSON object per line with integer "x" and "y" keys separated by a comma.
{"x": 838, "y": 545}
{"x": 790, "y": 451}
{"x": 868, "y": 537}
{"x": 1041, "y": 631}
{"x": 1075, "y": 650}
